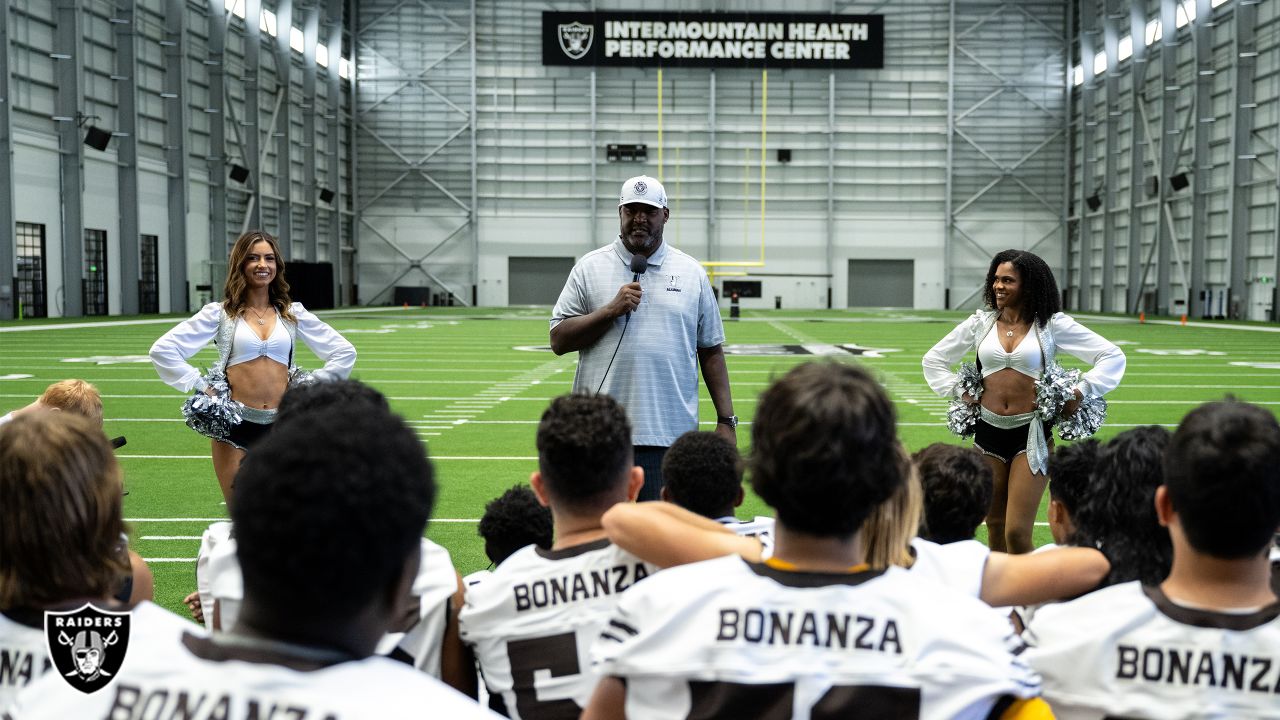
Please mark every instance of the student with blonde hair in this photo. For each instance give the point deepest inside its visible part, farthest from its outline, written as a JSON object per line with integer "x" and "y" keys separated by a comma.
{"x": 74, "y": 396}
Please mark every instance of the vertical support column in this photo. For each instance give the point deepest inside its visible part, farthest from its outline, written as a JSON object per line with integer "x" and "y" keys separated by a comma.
{"x": 1068, "y": 132}
{"x": 1203, "y": 163}
{"x": 175, "y": 148}
{"x": 127, "y": 151}
{"x": 310, "y": 34}
{"x": 1168, "y": 148}
{"x": 1242, "y": 157}
{"x": 216, "y": 62}
{"x": 474, "y": 211}
{"x": 1088, "y": 123}
{"x": 353, "y": 147}
{"x": 1137, "y": 151}
{"x": 948, "y": 207}
{"x": 8, "y": 249}
{"x": 284, "y": 126}
{"x": 1110, "y": 188}
{"x": 831, "y": 189}
{"x": 593, "y": 204}
{"x": 250, "y": 121}
{"x": 68, "y": 63}
{"x": 713, "y": 225}
{"x": 333, "y": 151}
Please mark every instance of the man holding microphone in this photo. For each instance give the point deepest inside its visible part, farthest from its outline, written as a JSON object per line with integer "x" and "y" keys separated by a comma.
{"x": 657, "y": 301}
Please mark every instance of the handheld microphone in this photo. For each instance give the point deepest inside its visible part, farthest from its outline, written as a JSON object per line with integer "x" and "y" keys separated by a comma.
{"x": 639, "y": 264}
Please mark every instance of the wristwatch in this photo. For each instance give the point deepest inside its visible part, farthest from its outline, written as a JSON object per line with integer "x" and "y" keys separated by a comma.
{"x": 731, "y": 421}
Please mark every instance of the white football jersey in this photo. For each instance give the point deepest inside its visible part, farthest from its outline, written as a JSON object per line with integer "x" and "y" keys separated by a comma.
{"x": 173, "y": 668}
{"x": 24, "y": 656}
{"x": 433, "y": 589}
{"x": 1127, "y": 651}
{"x": 759, "y": 527}
{"x": 959, "y": 565}
{"x": 727, "y": 638}
{"x": 532, "y": 623}
{"x": 221, "y": 589}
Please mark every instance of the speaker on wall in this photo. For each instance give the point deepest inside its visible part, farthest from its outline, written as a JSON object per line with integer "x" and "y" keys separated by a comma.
{"x": 1179, "y": 181}
{"x": 326, "y": 195}
{"x": 784, "y": 155}
{"x": 1094, "y": 201}
{"x": 239, "y": 173}
{"x": 97, "y": 138}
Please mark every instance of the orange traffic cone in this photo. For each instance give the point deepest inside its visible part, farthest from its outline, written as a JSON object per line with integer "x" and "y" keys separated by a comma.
{"x": 406, "y": 305}
{"x": 1142, "y": 317}
{"x": 1184, "y": 318}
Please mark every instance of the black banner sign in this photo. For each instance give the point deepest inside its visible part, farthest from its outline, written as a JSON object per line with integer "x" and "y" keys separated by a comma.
{"x": 774, "y": 40}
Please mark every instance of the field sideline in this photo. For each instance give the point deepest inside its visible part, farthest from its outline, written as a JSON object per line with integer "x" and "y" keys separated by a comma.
{"x": 473, "y": 383}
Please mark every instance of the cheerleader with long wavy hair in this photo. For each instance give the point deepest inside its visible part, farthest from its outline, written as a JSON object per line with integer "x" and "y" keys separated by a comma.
{"x": 255, "y": 328}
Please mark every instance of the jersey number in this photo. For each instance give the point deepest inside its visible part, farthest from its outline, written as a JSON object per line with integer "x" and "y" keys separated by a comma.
{"x": 776, "y": 701}
{"x": 557, "y": 654}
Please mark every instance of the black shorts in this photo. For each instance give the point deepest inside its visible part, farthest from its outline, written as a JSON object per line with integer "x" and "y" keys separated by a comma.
{"x": 247, "y": 434}
{"x": 1004, "y": 445}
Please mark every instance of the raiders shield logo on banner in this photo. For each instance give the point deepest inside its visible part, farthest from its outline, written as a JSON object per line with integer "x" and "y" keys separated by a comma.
{"x": 575, "y": 39}
{"x": 87, "y": 646}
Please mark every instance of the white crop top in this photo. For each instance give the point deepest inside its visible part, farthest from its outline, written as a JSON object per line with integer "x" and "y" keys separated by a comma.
{"x": 246, "y": 345}
{"x": 1026, "y": 359}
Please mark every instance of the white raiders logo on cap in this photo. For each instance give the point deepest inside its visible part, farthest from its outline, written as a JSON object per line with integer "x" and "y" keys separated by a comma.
{"x": 643, "y": 189}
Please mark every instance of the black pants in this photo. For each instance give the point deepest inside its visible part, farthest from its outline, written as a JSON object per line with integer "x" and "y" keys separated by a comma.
{"x": 650, "y": 457}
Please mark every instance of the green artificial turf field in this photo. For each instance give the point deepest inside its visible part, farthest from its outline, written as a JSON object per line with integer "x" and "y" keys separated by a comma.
{"x": 474, "y": 382}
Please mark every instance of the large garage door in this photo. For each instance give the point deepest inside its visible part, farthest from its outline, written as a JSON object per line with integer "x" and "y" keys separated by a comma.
{"x": 536, "y": 280}
{"x": 882, "y": 283}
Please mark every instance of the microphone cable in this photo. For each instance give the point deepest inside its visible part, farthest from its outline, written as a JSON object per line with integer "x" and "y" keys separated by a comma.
{"x": 639, "y": 264}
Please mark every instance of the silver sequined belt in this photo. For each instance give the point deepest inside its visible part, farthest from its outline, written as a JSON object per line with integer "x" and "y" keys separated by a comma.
{"x": 1037, "y": 447}
{"x": 258, "y": 417}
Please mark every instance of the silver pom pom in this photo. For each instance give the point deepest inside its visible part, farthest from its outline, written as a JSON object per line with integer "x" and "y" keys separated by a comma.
{"x": 1086, "y": 420}
{"x": 299, "y": 377}
{"x": 213, "y": 415}
{"x": 962, "y": 417}
{"x": 1054, "y": 389}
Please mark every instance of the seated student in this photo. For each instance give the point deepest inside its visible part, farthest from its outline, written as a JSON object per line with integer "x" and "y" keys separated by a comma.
{"x": 330, "y": 501}
{"x": 812, "y": 631}
{"x": 1070, "y": 478}
{"x": 1205, "y": 641}
{"x": 998, "y": 579}
{"x": 703, "y": 474}
{"x": 956, "y": 481}
{"x": 60, "y": 528}
{"x": 426, "y": 636}
{"x": 511, "y": 521}
{"x": 668, "y": 536}
{"x": 533, "y": 620}
{"x": 82, "y": 398}
{"x": 1118, "y": 514}
{"x": 74, "y": 396}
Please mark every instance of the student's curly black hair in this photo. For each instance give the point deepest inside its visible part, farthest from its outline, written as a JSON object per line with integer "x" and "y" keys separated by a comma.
{"x": 702, "y": 473}
{"x": 1040, "y": 296}
{"x": 1070, "y": 469}
{"x": 584, "y": 450}
{"x": 1118, "y": 514}
{"x": 330, "y": 500}
{"x": 957, "y": 491}
{"x": 513, "y": 520}
{"x": 333, "y": 396}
